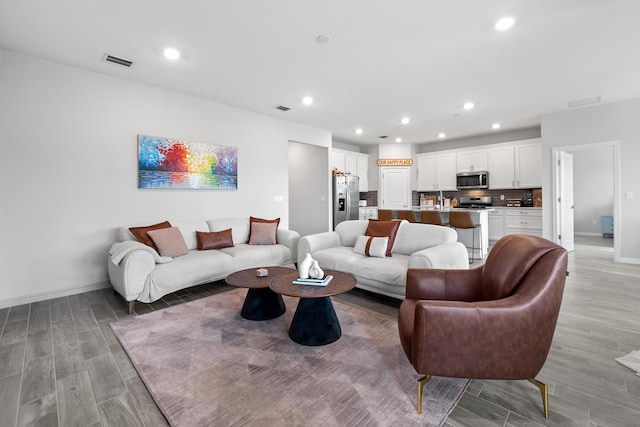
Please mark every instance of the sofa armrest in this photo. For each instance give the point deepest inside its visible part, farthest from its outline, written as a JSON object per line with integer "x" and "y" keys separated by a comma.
{"x": 129, "y": 276}
{"x": 290, "y": 239}
{"x": 452, "y": 255}
{"x": 315, "y": 242}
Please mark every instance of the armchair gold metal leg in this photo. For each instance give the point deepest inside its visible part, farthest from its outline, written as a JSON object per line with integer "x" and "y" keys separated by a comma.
{"x": 544, "y": 391}
{"x": 421, "y": 382}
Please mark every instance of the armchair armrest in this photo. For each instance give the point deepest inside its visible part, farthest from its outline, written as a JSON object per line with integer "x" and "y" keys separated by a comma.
{"x": 315, "y": 242}
{"x": 508, "y": 338}
{"x": 443, "y": 284}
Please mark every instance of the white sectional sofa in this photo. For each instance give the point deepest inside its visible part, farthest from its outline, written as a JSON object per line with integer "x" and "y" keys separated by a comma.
{"x": 415, "y": 246}
{"x": 138, "y": 272}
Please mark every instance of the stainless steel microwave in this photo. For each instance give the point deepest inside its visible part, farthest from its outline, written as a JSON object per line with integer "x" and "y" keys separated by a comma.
{"x": 470, "y": 180}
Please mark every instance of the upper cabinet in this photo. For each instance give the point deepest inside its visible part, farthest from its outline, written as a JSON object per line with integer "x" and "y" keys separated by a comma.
{"x": 515, "y": 165}
{"x": 473, "y": 160}
{"x": 437, "y": 171}
{"x": 353, "y": 163}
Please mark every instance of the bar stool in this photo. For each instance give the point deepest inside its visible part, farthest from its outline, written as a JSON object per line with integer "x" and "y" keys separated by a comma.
{"x": 406, "y": 214}
{"x": 431, "y": 217}
{"x": 463, "y": 220}
{"x": 385, "y": 214}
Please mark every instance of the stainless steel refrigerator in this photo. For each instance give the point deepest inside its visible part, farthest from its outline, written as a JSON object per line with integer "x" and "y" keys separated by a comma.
{"x": 345, "y": 198}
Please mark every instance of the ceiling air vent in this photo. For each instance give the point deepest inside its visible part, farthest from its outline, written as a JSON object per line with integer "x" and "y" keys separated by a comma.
{"x": 383, "y": 137}
{"x": 585, "y": 102}
{"x": 282, "y": 108}
{"x": 119, "y": 61}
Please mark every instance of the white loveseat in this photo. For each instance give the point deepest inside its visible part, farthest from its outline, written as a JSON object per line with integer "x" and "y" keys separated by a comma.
{"x": 415, "y": 246}
{"x": 138, "y": 272}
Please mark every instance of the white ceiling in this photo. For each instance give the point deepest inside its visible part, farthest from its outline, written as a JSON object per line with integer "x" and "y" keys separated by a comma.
{"x": 386, "y": 59}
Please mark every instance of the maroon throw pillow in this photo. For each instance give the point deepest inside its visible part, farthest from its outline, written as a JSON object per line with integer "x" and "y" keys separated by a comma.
{"x": 214, "y": 240}
{"x": 253, "y": 220}
{"x": 141, "y": 232}
{"x": 380, "y": 228}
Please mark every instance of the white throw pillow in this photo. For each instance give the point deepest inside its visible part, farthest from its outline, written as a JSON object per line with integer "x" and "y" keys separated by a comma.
{"x": 377, "y": 246}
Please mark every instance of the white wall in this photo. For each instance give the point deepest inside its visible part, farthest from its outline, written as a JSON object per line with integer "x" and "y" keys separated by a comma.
{"x": 600, "y": 124}
{"x": 68, "y": 169}
{"x": 592, "y": 188}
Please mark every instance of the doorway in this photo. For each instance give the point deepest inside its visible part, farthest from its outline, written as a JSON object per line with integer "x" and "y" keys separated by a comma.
{"x": 585, "y": 191}
{"x": 309, "y": 180}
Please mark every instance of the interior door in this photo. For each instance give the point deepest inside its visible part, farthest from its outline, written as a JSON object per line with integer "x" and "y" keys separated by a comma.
{"x": 395, "y": 188}
{"x": 565, "y": 201}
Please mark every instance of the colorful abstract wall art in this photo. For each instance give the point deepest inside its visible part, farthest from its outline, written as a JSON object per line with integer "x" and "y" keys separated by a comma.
{"x": 174, "y": 163}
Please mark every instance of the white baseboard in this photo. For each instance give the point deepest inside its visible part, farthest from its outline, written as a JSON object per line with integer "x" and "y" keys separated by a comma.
{"x": 28, "y": 299}
{"x": 585, "y": 233}
{"x": 628, "y": 260}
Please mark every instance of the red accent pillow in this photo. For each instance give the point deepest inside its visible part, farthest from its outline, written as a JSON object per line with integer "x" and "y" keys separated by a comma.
{"x": 214, "y": 240}
{"x": 253, "y": 220}
{"x": 380, "y": 228}
{"x": 140, "y": 233}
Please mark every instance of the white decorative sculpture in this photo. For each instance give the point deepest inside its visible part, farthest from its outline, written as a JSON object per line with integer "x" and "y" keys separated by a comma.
{"x": 304, "y": 266}
{"x": 315, "y": 272}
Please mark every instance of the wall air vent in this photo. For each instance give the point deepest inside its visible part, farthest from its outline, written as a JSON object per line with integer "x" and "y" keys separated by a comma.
{"x": 585, "y": 102}
{"x": 383, "y": 136}
{"x": 282, "y": 108}
{"x": 119, "y": 61}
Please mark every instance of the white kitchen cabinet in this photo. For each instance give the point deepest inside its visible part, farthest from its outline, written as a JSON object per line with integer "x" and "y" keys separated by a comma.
{"x": 472, "y": 160}
{"x": 523, "y": 221}
{"x": 363, "y": 171}
{"x": 353, "y": 163}
{"x": 528, "y": 160}
{"x": 437, "y": 171}
{"x": 515, "y": 165}
{"x": 496, "y": 225}
{"x": 365, "y": 213}
{"x": 338, "y": 160}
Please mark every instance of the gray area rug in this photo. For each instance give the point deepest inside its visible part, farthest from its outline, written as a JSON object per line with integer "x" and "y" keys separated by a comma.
{"x": 207, "y": 366}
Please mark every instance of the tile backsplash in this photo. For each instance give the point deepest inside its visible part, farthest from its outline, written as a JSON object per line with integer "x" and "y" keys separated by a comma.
{"x": 372, "y": 196}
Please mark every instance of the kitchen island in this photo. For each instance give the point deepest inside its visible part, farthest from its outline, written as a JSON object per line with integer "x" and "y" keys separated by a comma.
{"x": 465, "y": 236}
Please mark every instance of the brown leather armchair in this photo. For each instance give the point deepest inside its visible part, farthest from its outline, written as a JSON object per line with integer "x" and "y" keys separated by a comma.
{"x": 495, "y": 321}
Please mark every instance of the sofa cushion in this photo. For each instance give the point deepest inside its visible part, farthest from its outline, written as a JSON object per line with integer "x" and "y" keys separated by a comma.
{"x": 350, "y": 230}
{"x": 371, "y": 246}
{"x": 415, "y": 237}
{"x": 239, "y": 228}
{"x": 214, "y": 239}
{"x": 263, "y": 233}
{"x": 388, "y": 229}
{"x": 169, "y": 241}
{"x": 140, "y": 233}
{"x": 189, "y": 229}
{"x": 249, "y": 256}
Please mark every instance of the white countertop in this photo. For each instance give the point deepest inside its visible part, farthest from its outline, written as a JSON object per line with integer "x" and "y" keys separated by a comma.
{"x": 478, "y": 210}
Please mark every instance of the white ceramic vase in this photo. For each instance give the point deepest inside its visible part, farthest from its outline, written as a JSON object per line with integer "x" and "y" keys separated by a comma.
{"x": 315, "y": 272}
{"x": 304, "y": 266}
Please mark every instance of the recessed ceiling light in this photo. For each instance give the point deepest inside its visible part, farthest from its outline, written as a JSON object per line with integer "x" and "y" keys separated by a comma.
{"x": 398, "y": 139}
{"x": 405, "y": 120}
{"x": 504, "y": 23}
{"x": 442, "y": 135}
{"x": 307, "y": 100}
{"x": 323, "y": 39}
{"x": 171, "y": 53}
{"x": 468, "y": 105}
{"x": 359, "y": 131}
{"x": 495, "y": 126}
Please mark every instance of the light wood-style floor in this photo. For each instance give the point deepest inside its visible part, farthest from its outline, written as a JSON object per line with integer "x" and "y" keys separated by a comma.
{"x": 60, "y": 364}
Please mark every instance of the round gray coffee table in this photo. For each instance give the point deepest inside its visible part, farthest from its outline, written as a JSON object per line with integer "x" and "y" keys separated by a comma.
{"x": 261, "y": 303}
{"x": 315, "y": 321}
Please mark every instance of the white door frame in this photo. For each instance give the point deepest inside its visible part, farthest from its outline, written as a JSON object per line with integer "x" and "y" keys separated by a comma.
{"x": 616, "y": 191}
